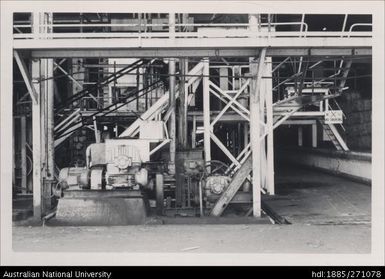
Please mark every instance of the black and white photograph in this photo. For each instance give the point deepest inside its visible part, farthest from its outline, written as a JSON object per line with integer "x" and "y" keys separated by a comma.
{"x": 192, "y": 133}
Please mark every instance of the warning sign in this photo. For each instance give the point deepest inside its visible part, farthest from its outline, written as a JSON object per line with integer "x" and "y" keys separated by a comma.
{"x": 333, "y": 117}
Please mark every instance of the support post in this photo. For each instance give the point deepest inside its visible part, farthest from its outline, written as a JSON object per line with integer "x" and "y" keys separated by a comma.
{"x": 253, "y": 24}
{"x": 13, "y": 154}
{"x": 314, "y": 135}
{"x": 182, "y": 135}
{"x": 171, "y": 22}
{"x": 47, "y": 132}
{"x": 262, "y": 102}
{"x": 36, "y": 137}
{"x": 245, "y": 134}
{"x": 269, "y": 127}
{"x": 23, "y": 141}
{"x": 256, "y": 73}
{"x": 300, "y": 136}
{"x": 206, "y": 111}
{"x": 172, "y": 121}
{"x": 50, "y": 121}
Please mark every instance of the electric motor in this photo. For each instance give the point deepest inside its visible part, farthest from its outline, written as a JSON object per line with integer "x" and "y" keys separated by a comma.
{"x": 216, "y": 184}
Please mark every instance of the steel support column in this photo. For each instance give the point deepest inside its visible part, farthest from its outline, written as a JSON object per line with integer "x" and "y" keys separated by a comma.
{"x": 270, "y": 183}
{"x": 36, "y": 141}
{"x": 314, "y": 135}
{"x": 172, "y": 121}
{"x": 300, "y": 136}
{"x": 50, "y": 121}
{"x": 193, "y": 132}
{"x": 182, "y": 121}
{"x": 23, "y": 142}
{"x": 206, "y": 110}
{"x": 262, "y": 102}
{"x": 47, "y": 131}
{"x": 256, "y": 70}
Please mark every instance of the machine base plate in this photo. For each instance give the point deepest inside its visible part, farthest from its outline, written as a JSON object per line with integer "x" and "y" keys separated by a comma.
{"x": 100, "y": 208}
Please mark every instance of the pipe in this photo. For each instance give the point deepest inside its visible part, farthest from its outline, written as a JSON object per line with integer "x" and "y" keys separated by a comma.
{"x": 50, "y": 121}
{"x": 172, "y": 123}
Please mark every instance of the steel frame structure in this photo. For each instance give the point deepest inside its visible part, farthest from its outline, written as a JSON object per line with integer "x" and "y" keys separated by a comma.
{"x": 258, "y": 41}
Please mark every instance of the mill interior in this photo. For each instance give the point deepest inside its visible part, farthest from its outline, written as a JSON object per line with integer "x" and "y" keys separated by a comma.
{"x": 122, "y": 118}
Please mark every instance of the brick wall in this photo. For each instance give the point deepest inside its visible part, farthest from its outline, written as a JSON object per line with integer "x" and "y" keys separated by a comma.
{"x": 358, "y": 122}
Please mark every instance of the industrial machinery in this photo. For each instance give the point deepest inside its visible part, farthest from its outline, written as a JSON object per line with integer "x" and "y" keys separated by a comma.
{"x": 113, "y": 187}
{"x": 204, "y": 183}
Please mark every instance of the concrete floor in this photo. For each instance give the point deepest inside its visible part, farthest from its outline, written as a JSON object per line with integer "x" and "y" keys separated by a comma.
{"x": 328, "y": 214}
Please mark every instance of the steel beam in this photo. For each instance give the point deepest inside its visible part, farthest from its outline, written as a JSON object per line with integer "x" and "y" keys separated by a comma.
{"x": 198, "y": 52}
{"x": 214, "y": 42}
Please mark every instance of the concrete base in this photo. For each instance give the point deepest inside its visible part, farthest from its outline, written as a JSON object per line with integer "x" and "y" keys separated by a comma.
{"x": 100, "y": 208}
{"x": 22, "y": 207}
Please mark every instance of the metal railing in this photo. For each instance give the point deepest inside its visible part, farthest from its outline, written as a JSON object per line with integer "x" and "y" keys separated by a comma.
{"x": 175, "y": 31}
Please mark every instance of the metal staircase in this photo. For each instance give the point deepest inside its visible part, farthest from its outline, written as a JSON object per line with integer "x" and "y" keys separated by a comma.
{"x": 335, "y": 137}
{"x": 71, "y": 110}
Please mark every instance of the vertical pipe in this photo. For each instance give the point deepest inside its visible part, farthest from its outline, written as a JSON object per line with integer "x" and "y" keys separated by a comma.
{"x": 182, "y": 135}
{"x": 13, "y": 153}
{"x": 206, "y": 111}
{"x": 43, "y": 118}
{"x": 262, "y": 100}
{"x": 36, "y": 143}
{"x": 269, "y": 125}
{"x": 193, "y": 132}
{"x": 172, "y": 124}
{"x": 50, "y": 121}
{"x": 97, "y": 133}
{"x": 200, "y": 198}
{"x": 47, "y": 129}
{"x": 140, "y": 87}
{"x": 23, "y": 141}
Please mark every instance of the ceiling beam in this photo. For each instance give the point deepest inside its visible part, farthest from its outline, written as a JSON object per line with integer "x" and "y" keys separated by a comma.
{"x": 199, "y": 52}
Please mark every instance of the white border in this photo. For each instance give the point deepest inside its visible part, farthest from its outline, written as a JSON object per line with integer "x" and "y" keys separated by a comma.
{"x": 8, "y": 257}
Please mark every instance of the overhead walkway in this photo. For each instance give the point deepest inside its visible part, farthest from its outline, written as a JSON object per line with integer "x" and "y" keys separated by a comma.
{"x": 177, "y": 39}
